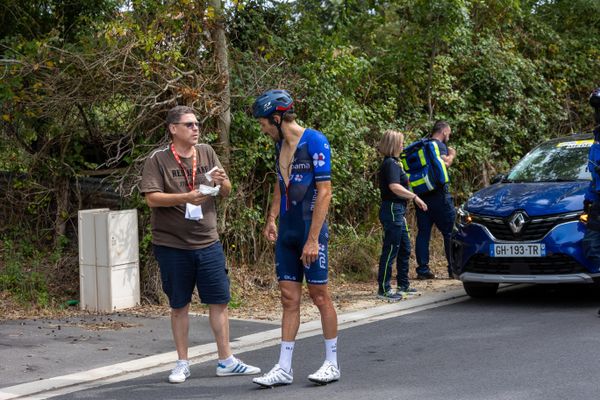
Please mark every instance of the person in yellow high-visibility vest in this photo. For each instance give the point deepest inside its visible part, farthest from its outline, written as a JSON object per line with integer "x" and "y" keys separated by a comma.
{"x": 440, "y": 207}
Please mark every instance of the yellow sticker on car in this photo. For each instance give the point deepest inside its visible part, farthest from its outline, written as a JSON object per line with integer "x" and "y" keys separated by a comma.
{"x": 576, "y": 144}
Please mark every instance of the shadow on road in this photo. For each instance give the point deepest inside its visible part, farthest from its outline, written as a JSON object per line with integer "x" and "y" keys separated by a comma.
{"x": 563, "y": 296}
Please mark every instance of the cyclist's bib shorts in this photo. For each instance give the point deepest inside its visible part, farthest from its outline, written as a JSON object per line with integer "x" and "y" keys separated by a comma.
{"x": 290, "y": 242}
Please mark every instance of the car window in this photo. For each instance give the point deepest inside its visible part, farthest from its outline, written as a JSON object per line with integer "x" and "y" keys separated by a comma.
{"x": 554, "y": 162}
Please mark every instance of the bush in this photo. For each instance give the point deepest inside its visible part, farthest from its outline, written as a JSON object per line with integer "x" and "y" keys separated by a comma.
{"x": 353, "y": 256}
{"x": 19, "y": 275}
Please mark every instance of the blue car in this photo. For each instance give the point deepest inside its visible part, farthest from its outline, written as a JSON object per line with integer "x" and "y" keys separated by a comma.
{"x": 527, "y": 226}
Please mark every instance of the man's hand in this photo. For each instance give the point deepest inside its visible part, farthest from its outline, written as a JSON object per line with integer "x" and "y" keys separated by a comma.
{"x": 219, "y": 176}
{"x": 449, "y": 159}
{"x": 195, "y": 197}
{"x": 420, "y": 203}
{"x": 310, "y": 252}
{"x": 270, "y": 230}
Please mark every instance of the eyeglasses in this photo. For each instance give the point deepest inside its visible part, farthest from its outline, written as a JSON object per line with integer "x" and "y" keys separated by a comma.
{"x": 188, "y": 125}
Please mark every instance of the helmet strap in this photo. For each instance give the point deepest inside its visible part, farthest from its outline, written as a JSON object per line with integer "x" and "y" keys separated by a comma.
{"x": 277, "y": 124}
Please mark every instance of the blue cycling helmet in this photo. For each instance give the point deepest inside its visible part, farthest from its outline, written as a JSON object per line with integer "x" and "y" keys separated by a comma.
{"x": 272, "y": 101}
{"x": 595, "y": 98}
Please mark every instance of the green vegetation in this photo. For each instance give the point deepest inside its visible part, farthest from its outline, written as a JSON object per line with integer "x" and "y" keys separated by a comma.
{"x": 23, "y": 274}
{"x": 85, "y": 86}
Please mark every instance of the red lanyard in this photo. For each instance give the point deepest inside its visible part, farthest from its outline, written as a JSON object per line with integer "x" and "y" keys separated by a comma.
{"x": 185, "y": 174}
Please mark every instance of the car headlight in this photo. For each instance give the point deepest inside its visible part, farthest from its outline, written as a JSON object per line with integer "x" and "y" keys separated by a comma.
{"x": 462, "y": 216}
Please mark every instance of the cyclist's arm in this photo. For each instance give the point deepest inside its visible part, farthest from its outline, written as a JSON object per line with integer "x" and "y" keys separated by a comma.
{"x": 324, "y": 195}
{"x": 275, "y": 204}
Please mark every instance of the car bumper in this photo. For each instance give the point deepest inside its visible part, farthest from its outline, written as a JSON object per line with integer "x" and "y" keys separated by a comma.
{"x": 549, "y": 279}
{"x": 564, "y": 261}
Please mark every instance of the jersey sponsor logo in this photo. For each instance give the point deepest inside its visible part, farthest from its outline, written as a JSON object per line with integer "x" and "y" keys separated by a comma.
{"x": 301, "y": 166}
{"x": 313, "y": 200}
{"x": 297, "y": 178}
{"x": 319, "y": 159}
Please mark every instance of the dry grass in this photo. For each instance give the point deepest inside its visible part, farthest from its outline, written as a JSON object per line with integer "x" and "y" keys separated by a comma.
{"x": 255, "y": 291}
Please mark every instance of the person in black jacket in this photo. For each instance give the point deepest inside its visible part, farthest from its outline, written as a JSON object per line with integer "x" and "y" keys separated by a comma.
{"x": 393, "y": 185}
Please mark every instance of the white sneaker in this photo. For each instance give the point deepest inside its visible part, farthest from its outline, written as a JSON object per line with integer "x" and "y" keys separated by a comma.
{"x": 275, "y": 377}
{"x": 237, "y": 368}
{"x": 326, "y": 374}
{"x": 180, "y": 372}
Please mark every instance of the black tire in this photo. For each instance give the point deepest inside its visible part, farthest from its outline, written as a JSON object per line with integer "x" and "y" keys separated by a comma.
{"x": 480, "y": 290}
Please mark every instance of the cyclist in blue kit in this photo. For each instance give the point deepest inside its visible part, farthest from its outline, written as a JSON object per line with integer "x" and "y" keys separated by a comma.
{"x": 591, "y": 203}
{"x": 300, "y": 200}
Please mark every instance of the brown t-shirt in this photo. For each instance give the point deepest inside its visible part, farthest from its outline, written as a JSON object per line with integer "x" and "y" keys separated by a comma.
{"x": 163, "y": 174}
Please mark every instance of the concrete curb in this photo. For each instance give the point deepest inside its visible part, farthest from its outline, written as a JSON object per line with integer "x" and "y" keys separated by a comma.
{"x": 148, "y": 365}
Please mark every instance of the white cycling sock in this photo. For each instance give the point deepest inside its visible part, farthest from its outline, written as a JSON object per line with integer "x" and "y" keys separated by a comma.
{"x": 285, "y": 356}
{"x": 331, "y": 350}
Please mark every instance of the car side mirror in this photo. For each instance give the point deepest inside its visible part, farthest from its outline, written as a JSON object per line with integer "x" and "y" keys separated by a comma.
{"x": 498, "y": 178}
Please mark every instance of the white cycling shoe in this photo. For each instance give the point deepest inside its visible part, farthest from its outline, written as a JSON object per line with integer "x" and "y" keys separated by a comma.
{"x": 277, "y": 376}
{"x": 326, "y": 374}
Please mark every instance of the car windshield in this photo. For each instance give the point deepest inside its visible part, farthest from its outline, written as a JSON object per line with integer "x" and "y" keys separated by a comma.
{"x": 554, "y": 162}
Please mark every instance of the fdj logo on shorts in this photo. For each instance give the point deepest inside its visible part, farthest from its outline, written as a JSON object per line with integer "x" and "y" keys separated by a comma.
{"x": 322, "y": 257}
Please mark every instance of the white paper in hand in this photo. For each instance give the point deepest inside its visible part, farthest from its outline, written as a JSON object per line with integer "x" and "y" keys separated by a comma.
{"x": 207, "y": 175}
{"x": 209, "y": 190}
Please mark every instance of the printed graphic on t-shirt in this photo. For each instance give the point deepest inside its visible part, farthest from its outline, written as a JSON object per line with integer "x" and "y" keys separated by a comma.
{"x": 178, "y": 175}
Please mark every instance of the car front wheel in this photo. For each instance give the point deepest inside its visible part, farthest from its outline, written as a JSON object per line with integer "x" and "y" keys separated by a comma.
{"x": 480, "y": 290}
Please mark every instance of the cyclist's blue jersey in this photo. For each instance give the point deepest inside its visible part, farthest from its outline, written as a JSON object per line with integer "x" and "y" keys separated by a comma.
{"x": 311, "y": 164}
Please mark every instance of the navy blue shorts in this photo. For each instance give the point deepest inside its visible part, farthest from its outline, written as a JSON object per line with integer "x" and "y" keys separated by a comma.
{"x": 181, "y": 270}
{"x": 290, "y": 242}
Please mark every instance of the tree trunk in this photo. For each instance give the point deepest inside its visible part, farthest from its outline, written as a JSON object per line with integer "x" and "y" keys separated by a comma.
{"x": 61, "y": 185}
{"x": 433, "y": 55}
{"x": 484, "y": 175}
{"x": 221, "y": 59}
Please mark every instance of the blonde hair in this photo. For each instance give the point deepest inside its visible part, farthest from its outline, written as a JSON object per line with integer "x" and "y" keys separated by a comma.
{"x": 391, "y": 143}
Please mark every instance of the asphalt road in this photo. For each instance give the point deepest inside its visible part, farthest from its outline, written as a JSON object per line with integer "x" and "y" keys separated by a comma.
{"x": 539, "y": 342}
{"x": 32, "y": 350}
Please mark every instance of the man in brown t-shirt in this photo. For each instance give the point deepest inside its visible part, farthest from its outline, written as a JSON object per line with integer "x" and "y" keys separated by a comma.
{"x": 180, "y": 182}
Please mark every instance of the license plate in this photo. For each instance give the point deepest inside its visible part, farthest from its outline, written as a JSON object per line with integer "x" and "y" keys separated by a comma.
{"x": 517, "y": 250}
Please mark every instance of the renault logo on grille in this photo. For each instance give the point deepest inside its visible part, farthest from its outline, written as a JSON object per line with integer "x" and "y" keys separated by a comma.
{"x": 517, "y": 222}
